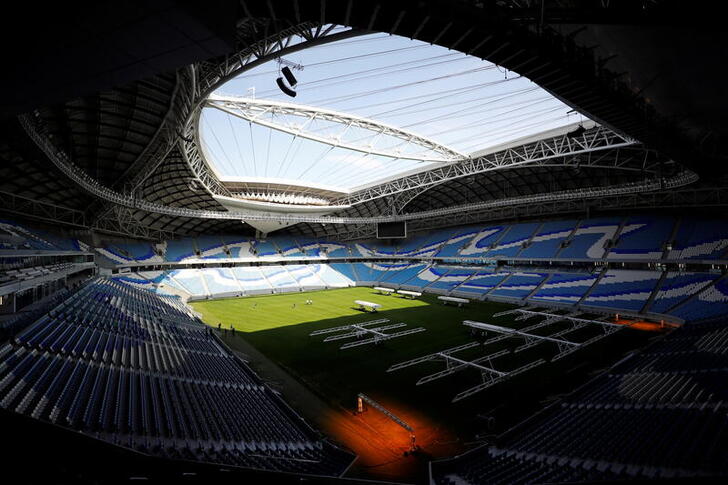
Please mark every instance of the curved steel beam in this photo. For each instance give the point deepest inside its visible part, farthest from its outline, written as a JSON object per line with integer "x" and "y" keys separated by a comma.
{"x": 541, "y": 152}
{"x": 277, "y": 43}
{"x": 256, "y": 111}
{"x": 209, "y": 76}
{"x": 60, "y": 160}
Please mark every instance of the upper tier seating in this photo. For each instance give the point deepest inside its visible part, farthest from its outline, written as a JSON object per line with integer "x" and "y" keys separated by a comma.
{"x": 112, "y": 255}
{"x": 211, "y": 247}
{"x": 266, "y": 248}
{"x": 121, "y": 252}
{"x": 513, "y": 241}
{"x": 372, "y": 250}
{"x": 336, "y": 250}
{"x": 22, "y": 237}
{"x": 546, "y": 243}
{"x": 700, "y": 239}
{"x": 459, "y": 239}
{"x": 287, "y": 246}
{"x": 412, "y": 245}
{"x": 142, "y": 252}
{"x": 180, "y": 249}
{"x": 589, "y": 239}
{"x": 631, "y": 238}
{"x": 642, "y": 238}
{"x": 240, "y": 247}
{"x": 436, "y": 241}
{"x": 425, "y": 244}
{"x": 482, "y": 242}
{"x": 26, "y": 238}
{"x": 304, "y": 246}
{"x": 8, "y": 277}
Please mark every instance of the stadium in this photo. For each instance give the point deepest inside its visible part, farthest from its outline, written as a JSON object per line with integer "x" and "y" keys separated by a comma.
{"x": 364, "y": 242}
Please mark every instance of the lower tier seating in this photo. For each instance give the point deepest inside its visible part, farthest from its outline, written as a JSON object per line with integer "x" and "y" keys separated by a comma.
{"x": 689, "y": 296}
{"x": 640, "y": 237}
{"x": 139, "y": 370}
{"x": 658, "y": 414}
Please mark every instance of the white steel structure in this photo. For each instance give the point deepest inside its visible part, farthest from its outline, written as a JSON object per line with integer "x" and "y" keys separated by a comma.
{"x": 582, "y": 145}
{"x": 268, "y": 112}
{"x": 347, "y": 327}
{"x": 553, "y": 149}
{"x": 530, "y": 337}
{"x": 484, "y": 364}
{"x": 489, "y": 375}
{"x": 359, "y": 330}
{"x": 575, "y": 323}
{"x": 533, "y": 312}
{"x": 60, "y": 160}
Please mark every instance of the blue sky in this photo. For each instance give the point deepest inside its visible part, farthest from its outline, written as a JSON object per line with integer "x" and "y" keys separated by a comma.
{"x": 457, "y": 100}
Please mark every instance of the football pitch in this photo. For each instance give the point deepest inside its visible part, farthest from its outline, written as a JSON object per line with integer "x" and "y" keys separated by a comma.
{"x": 255, "y": 314}
{"x": 279, "y": 327}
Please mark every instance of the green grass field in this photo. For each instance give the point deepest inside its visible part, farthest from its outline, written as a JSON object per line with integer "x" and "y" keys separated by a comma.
{"x": 269, "y": 312}
{"x": 280, "y": 331}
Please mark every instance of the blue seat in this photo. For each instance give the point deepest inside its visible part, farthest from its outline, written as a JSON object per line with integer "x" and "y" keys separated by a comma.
{"x": 676, "y": 287}
{"x": 512, "y": 242}
{"x": 590, "y": 238}
{"x": 623, "y": 289}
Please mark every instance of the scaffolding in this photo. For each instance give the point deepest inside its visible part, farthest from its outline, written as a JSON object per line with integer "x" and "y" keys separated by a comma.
{"x": 492, "y": 374}
{"x": 359, "y": 330}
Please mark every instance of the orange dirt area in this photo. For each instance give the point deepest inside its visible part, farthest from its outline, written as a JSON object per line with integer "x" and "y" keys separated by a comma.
{"x": 381, "y": 443}
{"x": 647, "y": 326}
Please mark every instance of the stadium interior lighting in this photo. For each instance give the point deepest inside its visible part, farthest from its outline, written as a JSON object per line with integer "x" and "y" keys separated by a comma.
{"x": 288, "y": 91}
{"x": 292, "y": 81}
